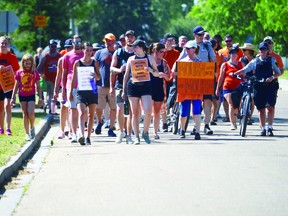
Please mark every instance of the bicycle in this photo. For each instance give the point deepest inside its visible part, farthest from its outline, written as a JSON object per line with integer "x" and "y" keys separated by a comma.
{"x": 245, "y": 110}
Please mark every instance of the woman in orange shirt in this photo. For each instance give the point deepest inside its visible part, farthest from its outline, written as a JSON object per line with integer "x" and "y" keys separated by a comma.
{"x": 230, "y": 84}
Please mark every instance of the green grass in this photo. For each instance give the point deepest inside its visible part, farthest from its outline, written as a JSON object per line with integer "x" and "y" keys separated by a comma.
{"x": 10, "y": 145}
{"x": 284, "y": 75}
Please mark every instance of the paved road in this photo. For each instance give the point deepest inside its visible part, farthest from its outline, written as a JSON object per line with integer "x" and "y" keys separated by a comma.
{"x": 221, "y": 175}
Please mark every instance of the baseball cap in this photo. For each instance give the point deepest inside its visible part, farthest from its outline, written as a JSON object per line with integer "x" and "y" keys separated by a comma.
{"x": 268, "y": 38}
{"x": 263, "y": 45}
{"x": 191, "y": 44}
{"x": 130, "y": 32}
{"x": 96, "y": 46}
{"x": 233, "y": 49}
{"x": 122, "y": 36}
{"x": 52, "y": 41}
{"x": 68, "y": 43}
{"x": 168, "y": 36}
{"x": 139, "y": 43}
{"x": 109, "y": 36}
{"x": 198, "y": 30}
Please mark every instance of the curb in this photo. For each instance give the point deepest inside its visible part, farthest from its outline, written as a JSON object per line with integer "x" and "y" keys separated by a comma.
{"x": 16, "y": 161}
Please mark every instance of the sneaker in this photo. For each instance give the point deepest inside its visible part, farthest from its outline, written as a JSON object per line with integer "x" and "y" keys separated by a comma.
{"x": 87, "y": 141}
{"x": 193, "y": 132}
{"x": 66, "y": 133}
{"x": 197, "y": 136}
{"x": 165, "y": 127}
{"x": 98, "y": 128}
{"x": 270, "y": 132}
{"x": 8, "y": 132}
{"x": 250, "y": 122}
{"x": 107, "y": 124}
{"x": 129, "y": 140}
{"x": 81, "y": 140}
{"x": 111, "y": 133}
{"x": 137, "y": 141}
{"x": 32, "y": 133}
{"x": 145, "y": 136}
{"x": 263, "y": 133}
{"x": 120, "y": 136}
{"x": 182, "y": 135}
{"x": 73, "y": 138}
{"x": 233, "y": 126}
{"x": 28, "y": 138}
{"x": 207, "y": 130}
{"x": 1, "y": 131}
{"x": 70, "y": 135}
{"x": 156, "y": 137}
{"x": 62, "y": 135}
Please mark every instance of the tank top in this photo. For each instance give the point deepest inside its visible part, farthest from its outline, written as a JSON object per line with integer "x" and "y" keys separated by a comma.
{"x": 50, "y": 67}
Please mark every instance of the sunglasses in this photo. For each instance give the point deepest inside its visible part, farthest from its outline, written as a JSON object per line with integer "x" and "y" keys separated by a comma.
{"x": 268, "y": 42}
{"x": 161, "y": 51}
{"x": 79, "y": 43}
{"x": 53, "y": 46}
{"x": 200, "y": 35}
{"x": 188, "y": 48}
{"x": 228, "y": 41}
{"x": 263, "y": 49}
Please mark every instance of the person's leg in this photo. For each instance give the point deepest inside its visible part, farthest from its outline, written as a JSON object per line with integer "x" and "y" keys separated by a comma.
{"x": 24, "y": 107}
{"x": 147, "y": 108}
{"x": 135, "y": 103}
{"x": 31, "y": 113}
{"x": 8, "y": 113}
{"x": 81, "y": 107}
{"x": 207, "y": 106}
{"x": 63, "y": 117}
{"x": 2, "y": 115}
{"x": 232, "y": 116}
{"x": 156, "y": 113}
{"x": 91, "y": 111}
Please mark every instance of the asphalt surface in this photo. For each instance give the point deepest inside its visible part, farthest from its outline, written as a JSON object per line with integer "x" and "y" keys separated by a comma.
{"x": 222, "y": 174}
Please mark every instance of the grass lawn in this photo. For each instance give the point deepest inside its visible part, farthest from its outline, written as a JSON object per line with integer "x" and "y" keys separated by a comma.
{"x": 10, "y": 145}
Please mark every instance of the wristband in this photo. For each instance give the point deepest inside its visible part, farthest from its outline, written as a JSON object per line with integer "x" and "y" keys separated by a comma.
{"x": 273, "y": 77}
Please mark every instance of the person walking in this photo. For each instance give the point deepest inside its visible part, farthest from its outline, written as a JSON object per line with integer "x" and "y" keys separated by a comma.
{"x": 48, "y": 69}
{"x": 265, "y": 94}
{"x": 140, "y": 90}
{"x": 231, "y": 85}
{"x": 86, "y": 95}
{"x": 25, "y": 81}
{"x": 6, "y": 59}
{"x": 104, "y": 58}
{"x": 68, "y": 62}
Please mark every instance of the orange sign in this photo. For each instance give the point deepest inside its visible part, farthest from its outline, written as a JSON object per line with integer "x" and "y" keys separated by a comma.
{"x": 40, "y": 21}
{"x": 139, "y": 74}
{"x": 195, "y": 77}
{"x": 7, "y": 79}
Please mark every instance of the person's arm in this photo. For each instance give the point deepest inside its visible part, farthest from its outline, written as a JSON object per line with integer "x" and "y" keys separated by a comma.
{"x": 154, "y": 70}
{"x": 39, "y": 91}
{"x": 64, "y": 79}
{"x": 97, "y": 73}
{"x": 220, "y": 79}
{"x": 277, "y": 71}
{"x": 114, "y": 64}
{"x": 126, "y": 77}
{"x": 58, "y": 78}
{"x": 15, "y": 90}
{"x": 40, "y": 67}
{"x": 74, "y": 79}
{"x": 249, "y": 67}
{"x": 166, "y": 73}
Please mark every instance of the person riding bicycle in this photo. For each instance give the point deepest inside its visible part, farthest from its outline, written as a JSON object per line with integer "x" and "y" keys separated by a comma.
{"x": 264, "y": 93}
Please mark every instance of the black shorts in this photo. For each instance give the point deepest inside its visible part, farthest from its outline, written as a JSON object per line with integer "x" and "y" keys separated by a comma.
{"x": 264, "y": 95}
{"x": 27, "y": 98}
{"x": 86, "y": 97}
{"x": 208, "y": 97}
{"x": 139, "y": 89}
{"x": 7, "y": 95}
{"x": 158, "y": 93}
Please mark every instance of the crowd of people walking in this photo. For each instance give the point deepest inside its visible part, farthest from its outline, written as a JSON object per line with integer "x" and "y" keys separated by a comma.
{"x": 128, "y": 81}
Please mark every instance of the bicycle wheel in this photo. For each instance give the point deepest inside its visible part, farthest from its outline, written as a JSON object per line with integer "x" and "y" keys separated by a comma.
{"x": 175, "y": 117}
{"x": 245, "y": 114}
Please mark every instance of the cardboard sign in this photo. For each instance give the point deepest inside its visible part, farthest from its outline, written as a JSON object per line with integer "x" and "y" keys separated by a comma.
{"x": 7, "y": 79}
{"x": 196, "y": 78}
{"x": 139, "y": 74}
{"x": 84, "y": 75}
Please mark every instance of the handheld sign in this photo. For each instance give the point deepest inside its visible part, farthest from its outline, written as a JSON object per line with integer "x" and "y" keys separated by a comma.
{"x": 7, "y": 79}
{"x": 139, "y": 74}
{"x": 84, "y": 75}
{"x": 196, "y": 77}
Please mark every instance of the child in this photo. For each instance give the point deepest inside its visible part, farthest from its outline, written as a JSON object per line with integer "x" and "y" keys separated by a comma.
{"x": 25, "y": 81}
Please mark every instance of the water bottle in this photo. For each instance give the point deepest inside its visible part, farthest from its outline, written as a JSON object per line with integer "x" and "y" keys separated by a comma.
{"x": 126, "y": 108}
{"x": 53, "y": 106}
{"x": 93, "y": 85}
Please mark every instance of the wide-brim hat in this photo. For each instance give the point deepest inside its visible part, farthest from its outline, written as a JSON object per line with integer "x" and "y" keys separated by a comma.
{"x": 247, "y": 46}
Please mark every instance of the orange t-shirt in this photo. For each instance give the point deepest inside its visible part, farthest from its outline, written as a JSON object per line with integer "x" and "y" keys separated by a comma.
{"x": 9, "y": 59}
{"x": 63, "y": 52}
{"x": 224, "y": 52}
{"x": 278, "y": 59}
{"x": 230, "y": 83}
{"x": 218, "y": 66}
